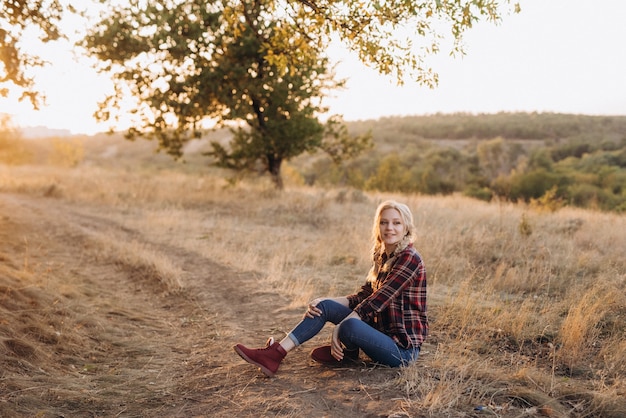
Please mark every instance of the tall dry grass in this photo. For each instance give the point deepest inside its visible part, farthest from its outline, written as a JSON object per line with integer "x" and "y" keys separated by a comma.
{"x": 527, "y": 307}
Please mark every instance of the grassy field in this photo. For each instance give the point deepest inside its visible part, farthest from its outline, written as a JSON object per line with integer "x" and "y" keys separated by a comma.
{"x": 527, "y": 307}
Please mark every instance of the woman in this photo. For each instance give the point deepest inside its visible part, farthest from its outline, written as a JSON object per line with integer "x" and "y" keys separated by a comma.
{"x": 386, "y": 319}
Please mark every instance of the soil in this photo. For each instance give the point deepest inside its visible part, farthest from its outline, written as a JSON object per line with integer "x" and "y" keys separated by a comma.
{"x": 83, "y": 334}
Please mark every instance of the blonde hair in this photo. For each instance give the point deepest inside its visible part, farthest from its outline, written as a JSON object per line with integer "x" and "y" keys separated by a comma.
{"x": 377, "y": 242}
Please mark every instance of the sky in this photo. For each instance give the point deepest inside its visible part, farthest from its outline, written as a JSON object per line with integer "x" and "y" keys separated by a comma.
{"x": 565, "y": 56}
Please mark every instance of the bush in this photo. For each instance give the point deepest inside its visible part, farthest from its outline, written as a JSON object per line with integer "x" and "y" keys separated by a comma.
{"x": 590, "y": 196}
{"x": 13, "y": 150}
{"x": 66, "y": 153}
{"x": 532, "y": 185}
{"x": 481, "y": 193}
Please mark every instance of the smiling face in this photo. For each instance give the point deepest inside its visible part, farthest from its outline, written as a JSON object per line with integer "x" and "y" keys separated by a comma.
{"x": 391, "y": 229}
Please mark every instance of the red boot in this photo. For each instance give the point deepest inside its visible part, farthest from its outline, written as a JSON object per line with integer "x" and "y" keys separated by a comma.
{"x": 267, "y": 359}
{"x": 322, "y": 355}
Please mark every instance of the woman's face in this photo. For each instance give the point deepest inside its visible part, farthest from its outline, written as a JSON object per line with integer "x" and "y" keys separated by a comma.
{"x": 391, "y": 228}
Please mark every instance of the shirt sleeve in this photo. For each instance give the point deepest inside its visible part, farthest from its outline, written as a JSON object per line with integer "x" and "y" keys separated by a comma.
{"x": 354, "y": 300}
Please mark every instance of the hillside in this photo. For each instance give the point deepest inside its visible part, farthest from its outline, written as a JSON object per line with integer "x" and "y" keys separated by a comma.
{"x": 548, "y": 160}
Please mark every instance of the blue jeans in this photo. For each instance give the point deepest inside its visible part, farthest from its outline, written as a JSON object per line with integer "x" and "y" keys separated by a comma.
{"x": 354, "y": 334}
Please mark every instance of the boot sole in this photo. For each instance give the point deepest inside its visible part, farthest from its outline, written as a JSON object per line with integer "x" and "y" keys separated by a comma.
{"x": 267, "y": 372}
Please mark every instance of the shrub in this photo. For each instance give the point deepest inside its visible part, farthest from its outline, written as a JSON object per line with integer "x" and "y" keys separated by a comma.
{"x": 477, "y": 192}
{"x": 532, "y": 185}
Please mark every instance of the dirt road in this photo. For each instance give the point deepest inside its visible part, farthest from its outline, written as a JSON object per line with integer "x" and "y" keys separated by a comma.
{"x": 85, "y": 334}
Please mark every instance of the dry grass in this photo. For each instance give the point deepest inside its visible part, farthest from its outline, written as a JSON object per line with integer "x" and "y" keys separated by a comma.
{"x": 143, "y": 263}
{"x": 527, "y": 307}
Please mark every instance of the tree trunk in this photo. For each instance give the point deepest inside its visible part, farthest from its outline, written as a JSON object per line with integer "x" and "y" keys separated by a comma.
{"x": 273, "y": 166}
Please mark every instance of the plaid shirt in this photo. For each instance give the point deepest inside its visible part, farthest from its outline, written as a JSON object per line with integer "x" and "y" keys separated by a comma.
{"x": 395, "y": 302}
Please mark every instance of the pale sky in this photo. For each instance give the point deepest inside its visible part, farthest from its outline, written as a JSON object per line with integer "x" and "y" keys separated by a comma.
{"x": 563, "y": 56}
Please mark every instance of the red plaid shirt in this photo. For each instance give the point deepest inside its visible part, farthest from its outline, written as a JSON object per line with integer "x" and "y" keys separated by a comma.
{"x": 395, "y": 302}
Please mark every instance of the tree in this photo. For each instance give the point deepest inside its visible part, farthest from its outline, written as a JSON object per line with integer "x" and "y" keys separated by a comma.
{"x": 189, "y": 61}
{"x": 16, "y": 17}
{"x": 493, "y": 158}
{"x": 382, "y": 32}
{"x": 261, "y": 62}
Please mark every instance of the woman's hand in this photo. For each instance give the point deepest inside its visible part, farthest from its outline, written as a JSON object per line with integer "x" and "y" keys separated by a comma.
{"x": 336, "y": 348}
{"x": 312, "y": 310}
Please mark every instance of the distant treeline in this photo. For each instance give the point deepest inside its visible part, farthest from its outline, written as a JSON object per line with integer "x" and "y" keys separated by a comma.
{"x": 531, "y": 126}
{"x": 542, "y": 158}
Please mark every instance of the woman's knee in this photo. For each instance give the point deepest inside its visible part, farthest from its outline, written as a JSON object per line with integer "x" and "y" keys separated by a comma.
{"x": 349, "y": 328}
{"x": 333, "y": 311}
{"x": 324, "y": 304}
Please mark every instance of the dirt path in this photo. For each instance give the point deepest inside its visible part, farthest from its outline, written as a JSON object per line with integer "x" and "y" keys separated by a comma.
{"x": 82, "y": 334}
